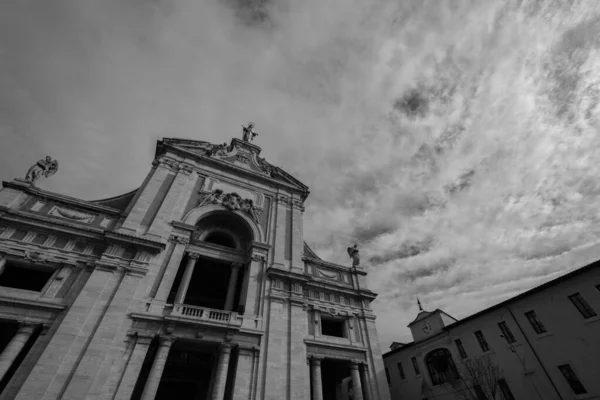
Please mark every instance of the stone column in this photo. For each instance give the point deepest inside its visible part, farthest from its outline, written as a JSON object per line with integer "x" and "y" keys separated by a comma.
{"x": 158, "y": 365}
{"x": 2, "y": 264}
{"x": 356, "y": 386}
{"x": 317, "y": 385}
{"x": 364, "y": 377}
{"x": 186, "y": 278}
{"x": 235, "y": 269}
{"x": 221, "y": 376}
{"x": 14, "y": 347}
{"x": 132, "y": 370}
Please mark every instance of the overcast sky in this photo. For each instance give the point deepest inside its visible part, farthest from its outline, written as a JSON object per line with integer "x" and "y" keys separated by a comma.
{"x": 455, "y": 141}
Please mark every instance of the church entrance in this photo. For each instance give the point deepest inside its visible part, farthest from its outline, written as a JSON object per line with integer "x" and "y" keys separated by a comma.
{"x": 188, "y": 372}
{"x": 335, "y": 376}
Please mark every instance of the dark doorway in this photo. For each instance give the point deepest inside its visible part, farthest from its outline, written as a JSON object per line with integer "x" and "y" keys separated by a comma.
{"x": 188, "y": 372}
{"x": 333, "y": 376}
{"x": 208, "y": 286}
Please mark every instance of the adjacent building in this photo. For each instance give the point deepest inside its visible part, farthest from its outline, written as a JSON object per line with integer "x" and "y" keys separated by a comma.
{"x": 197, "y": 285}
{"x": 541, "y": 345}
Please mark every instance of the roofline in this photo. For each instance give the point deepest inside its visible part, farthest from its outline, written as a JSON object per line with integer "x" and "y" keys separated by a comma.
{"x": 303, "y": 190}
{"x": 553, "y": 282}
{"x": 115, "y": 197}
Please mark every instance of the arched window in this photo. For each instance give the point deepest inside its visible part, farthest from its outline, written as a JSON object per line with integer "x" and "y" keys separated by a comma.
{"x": 220, "y": 238}
{"x": 441, "y": 366}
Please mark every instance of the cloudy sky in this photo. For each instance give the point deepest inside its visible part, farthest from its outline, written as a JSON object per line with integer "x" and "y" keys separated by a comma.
{"x": 455, "y": 141}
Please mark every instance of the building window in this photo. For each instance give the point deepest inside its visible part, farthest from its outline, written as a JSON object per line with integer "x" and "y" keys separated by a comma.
{"x": 482, "y": 342}
{"x": 79, "y": 247}
{"x": 40, "y": 239}
{"x": 505, "y": 390}
{"x": 572, "y": 379}
{"x": 19, "y": 234}
{"x": 387, "y": 376}
{"x": 326, "y": 297}
{"x": 129, "y": 253}
{"x": 415, "y": 365}
{"x": 401, "y": 370}
{"x": 506, "y": 332}
{"x": 480, "y": 393}
{"x": 583, "y": 306}
{"x": 536, "y": 324}
{"x": 441, "y": 366}
{"x": 598, "y": 287}
{"x": 332, "y": 327}
{"x": 461, "y": 348}
{"x": 25, "y": 277}
{"x": 60, "y": 243}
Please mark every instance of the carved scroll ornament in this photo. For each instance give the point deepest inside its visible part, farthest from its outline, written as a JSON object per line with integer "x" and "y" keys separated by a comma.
{"x": 231, "y": 201}
{"x": 72, "y": 215}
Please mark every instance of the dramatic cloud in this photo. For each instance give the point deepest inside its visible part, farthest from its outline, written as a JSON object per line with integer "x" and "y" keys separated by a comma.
{"x": 456, "y": 142}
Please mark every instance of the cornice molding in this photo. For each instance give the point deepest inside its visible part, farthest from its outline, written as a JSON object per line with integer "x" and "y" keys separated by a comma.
{"x": 31, "y": 303}
{"x": 35, "y": 191}
{"x": 146, "y": 244}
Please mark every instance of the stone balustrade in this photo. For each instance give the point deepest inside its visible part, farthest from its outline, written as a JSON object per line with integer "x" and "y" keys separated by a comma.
{"x": 206, "y": 314}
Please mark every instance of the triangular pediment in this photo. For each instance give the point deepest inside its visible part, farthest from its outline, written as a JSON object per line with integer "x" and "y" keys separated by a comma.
{"x": 239, "y": 153}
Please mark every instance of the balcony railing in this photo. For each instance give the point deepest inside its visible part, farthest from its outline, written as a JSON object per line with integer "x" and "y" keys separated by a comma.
{"x": 206, "y": 314}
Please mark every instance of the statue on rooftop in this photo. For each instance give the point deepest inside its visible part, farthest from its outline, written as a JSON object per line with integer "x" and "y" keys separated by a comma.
{"x": 248, "y": 132}
{"x": 353, "y": 253}
{"x": 46, "y": 167}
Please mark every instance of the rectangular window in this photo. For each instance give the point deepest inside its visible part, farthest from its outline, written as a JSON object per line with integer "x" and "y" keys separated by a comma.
{"x": 415, "y": 365}
{"x": 461, "y": 349}
{"x": 506, "y": 332}
{"x": 25, "y": 277}
{"x": 505, "y": 390}
{"x": 482, "y": 342}
{"x": 536, "y": 324}
{"x": 332, "y": 327}
{"x": 572, "y": 379}
{"x": 387, "y": 376}
{"x": 401, "y": 370}
{"x": 582, "y": 306}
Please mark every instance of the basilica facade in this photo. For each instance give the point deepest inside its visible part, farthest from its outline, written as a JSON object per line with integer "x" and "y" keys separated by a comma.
{"x": 197, "y": 285}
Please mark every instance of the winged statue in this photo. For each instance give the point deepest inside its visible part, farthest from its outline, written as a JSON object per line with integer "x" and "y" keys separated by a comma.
{"x": 248, "y": 132}
{"x": 46, "y": 167}
{"x": 353, "y": 253}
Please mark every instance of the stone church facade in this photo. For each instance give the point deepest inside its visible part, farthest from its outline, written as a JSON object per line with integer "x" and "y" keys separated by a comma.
{"x": 198, "y": 285}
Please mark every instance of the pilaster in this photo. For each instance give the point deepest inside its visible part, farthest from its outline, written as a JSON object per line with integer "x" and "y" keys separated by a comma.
{"x": 173, "y": 205}
{"x": 132, "y": 223}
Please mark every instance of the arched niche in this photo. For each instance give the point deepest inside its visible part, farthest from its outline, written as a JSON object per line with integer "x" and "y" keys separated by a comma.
{"x": 215, "y": 224}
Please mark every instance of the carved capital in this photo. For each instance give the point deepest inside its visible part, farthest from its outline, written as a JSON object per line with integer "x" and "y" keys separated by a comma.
{"x": 165, "y": 341}
{"x": 192, "y": 255}
{"x": 179, "y": 239}
{"x": 185, "y": 168}
{"x": 236, "y": 265}
{"x": 258, "y": 257}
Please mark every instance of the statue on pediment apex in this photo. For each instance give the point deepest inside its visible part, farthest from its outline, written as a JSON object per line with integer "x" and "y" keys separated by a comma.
{"x": 46, "y": 167}
{"x": 248, "y": 132}
{"x": 353, "y": 253}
